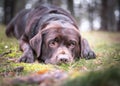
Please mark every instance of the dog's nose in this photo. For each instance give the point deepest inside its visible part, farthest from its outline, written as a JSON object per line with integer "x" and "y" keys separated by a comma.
{"x": 63, "y": 58}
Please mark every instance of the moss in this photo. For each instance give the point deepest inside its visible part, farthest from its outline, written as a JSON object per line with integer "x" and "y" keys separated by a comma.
{"x": 105, "y": 44}
{"x": 108, "y": 77}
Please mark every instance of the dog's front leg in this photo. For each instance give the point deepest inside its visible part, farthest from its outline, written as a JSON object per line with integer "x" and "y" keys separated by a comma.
{"x": 27, "y": 56}
{"x": 86, "y": 51}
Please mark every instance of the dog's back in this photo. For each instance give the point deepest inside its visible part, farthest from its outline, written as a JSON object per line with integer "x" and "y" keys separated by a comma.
{"x": 16, "y": 27}
{"x": 26, "y": 20}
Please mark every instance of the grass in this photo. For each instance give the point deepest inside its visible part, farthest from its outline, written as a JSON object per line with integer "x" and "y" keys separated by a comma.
{"x": 105, "y": 44}
{"x": 109, "y": 77}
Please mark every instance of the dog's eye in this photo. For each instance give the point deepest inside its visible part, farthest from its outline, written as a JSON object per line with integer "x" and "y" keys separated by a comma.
{"x": 54, "y": 43}
{"x": 71, "y": 44}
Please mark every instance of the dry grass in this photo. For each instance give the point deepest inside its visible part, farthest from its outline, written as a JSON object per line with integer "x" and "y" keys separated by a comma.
{"x": 105, "y": 44}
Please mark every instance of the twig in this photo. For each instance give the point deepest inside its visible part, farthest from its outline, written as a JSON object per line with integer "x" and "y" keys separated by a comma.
{"x": 5, "y": 53}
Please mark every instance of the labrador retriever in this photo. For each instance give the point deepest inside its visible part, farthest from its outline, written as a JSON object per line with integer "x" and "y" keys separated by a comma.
{"x": 50, "y": 34}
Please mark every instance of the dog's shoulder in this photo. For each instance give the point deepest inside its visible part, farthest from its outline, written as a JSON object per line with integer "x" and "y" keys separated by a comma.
{"x": 39, "y": 15}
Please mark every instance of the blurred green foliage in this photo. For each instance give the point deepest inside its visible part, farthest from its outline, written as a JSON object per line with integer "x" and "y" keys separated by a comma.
{"x": 102, "y": 71}
{"x": 108, "y": 77}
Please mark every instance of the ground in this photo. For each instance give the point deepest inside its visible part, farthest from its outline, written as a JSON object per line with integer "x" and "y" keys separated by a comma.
{"x": 102, "y": 71}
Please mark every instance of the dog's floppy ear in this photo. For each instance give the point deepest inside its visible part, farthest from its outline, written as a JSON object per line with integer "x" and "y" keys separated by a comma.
{"x": 36, "y": 43}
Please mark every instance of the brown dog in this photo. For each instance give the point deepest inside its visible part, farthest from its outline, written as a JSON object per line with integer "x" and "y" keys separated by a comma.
{"x": 51, "y": 34}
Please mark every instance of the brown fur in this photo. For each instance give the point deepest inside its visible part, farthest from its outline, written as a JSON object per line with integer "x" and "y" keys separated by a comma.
{"x": 51, "y": 34}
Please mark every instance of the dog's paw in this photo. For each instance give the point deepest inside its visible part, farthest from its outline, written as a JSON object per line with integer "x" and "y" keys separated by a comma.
{"x": 88, "y": 54}
{"x": 27, "y": 58}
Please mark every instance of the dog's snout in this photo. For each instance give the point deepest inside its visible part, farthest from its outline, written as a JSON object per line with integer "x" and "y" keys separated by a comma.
{"x": 63, "y": 58}
{"x": 62, "y": 52}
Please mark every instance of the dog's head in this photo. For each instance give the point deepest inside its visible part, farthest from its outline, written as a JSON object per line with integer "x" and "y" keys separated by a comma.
{"x": 58, "y": 42}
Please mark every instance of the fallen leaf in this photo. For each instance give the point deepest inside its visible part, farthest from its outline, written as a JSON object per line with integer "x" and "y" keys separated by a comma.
{"x": 42, "y": 71}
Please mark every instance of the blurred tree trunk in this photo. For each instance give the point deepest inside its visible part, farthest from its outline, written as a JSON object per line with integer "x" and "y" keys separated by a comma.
{"x": 103, "y": 12}
{"x": 19, "y": 5}
{"x": 70, "y": 6}
{"x": 108, "y": 21}
{"x": 40, "y": 2}
{"x": 50, "y": 1}
{"x": 8, "y": 10}
{"x": 112, "y": 22}
{"x": 55, "y": 2}
{"x": 118, "y": 23}
{"x": 11, "y": 7}
{"x": 90, "y": 15}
